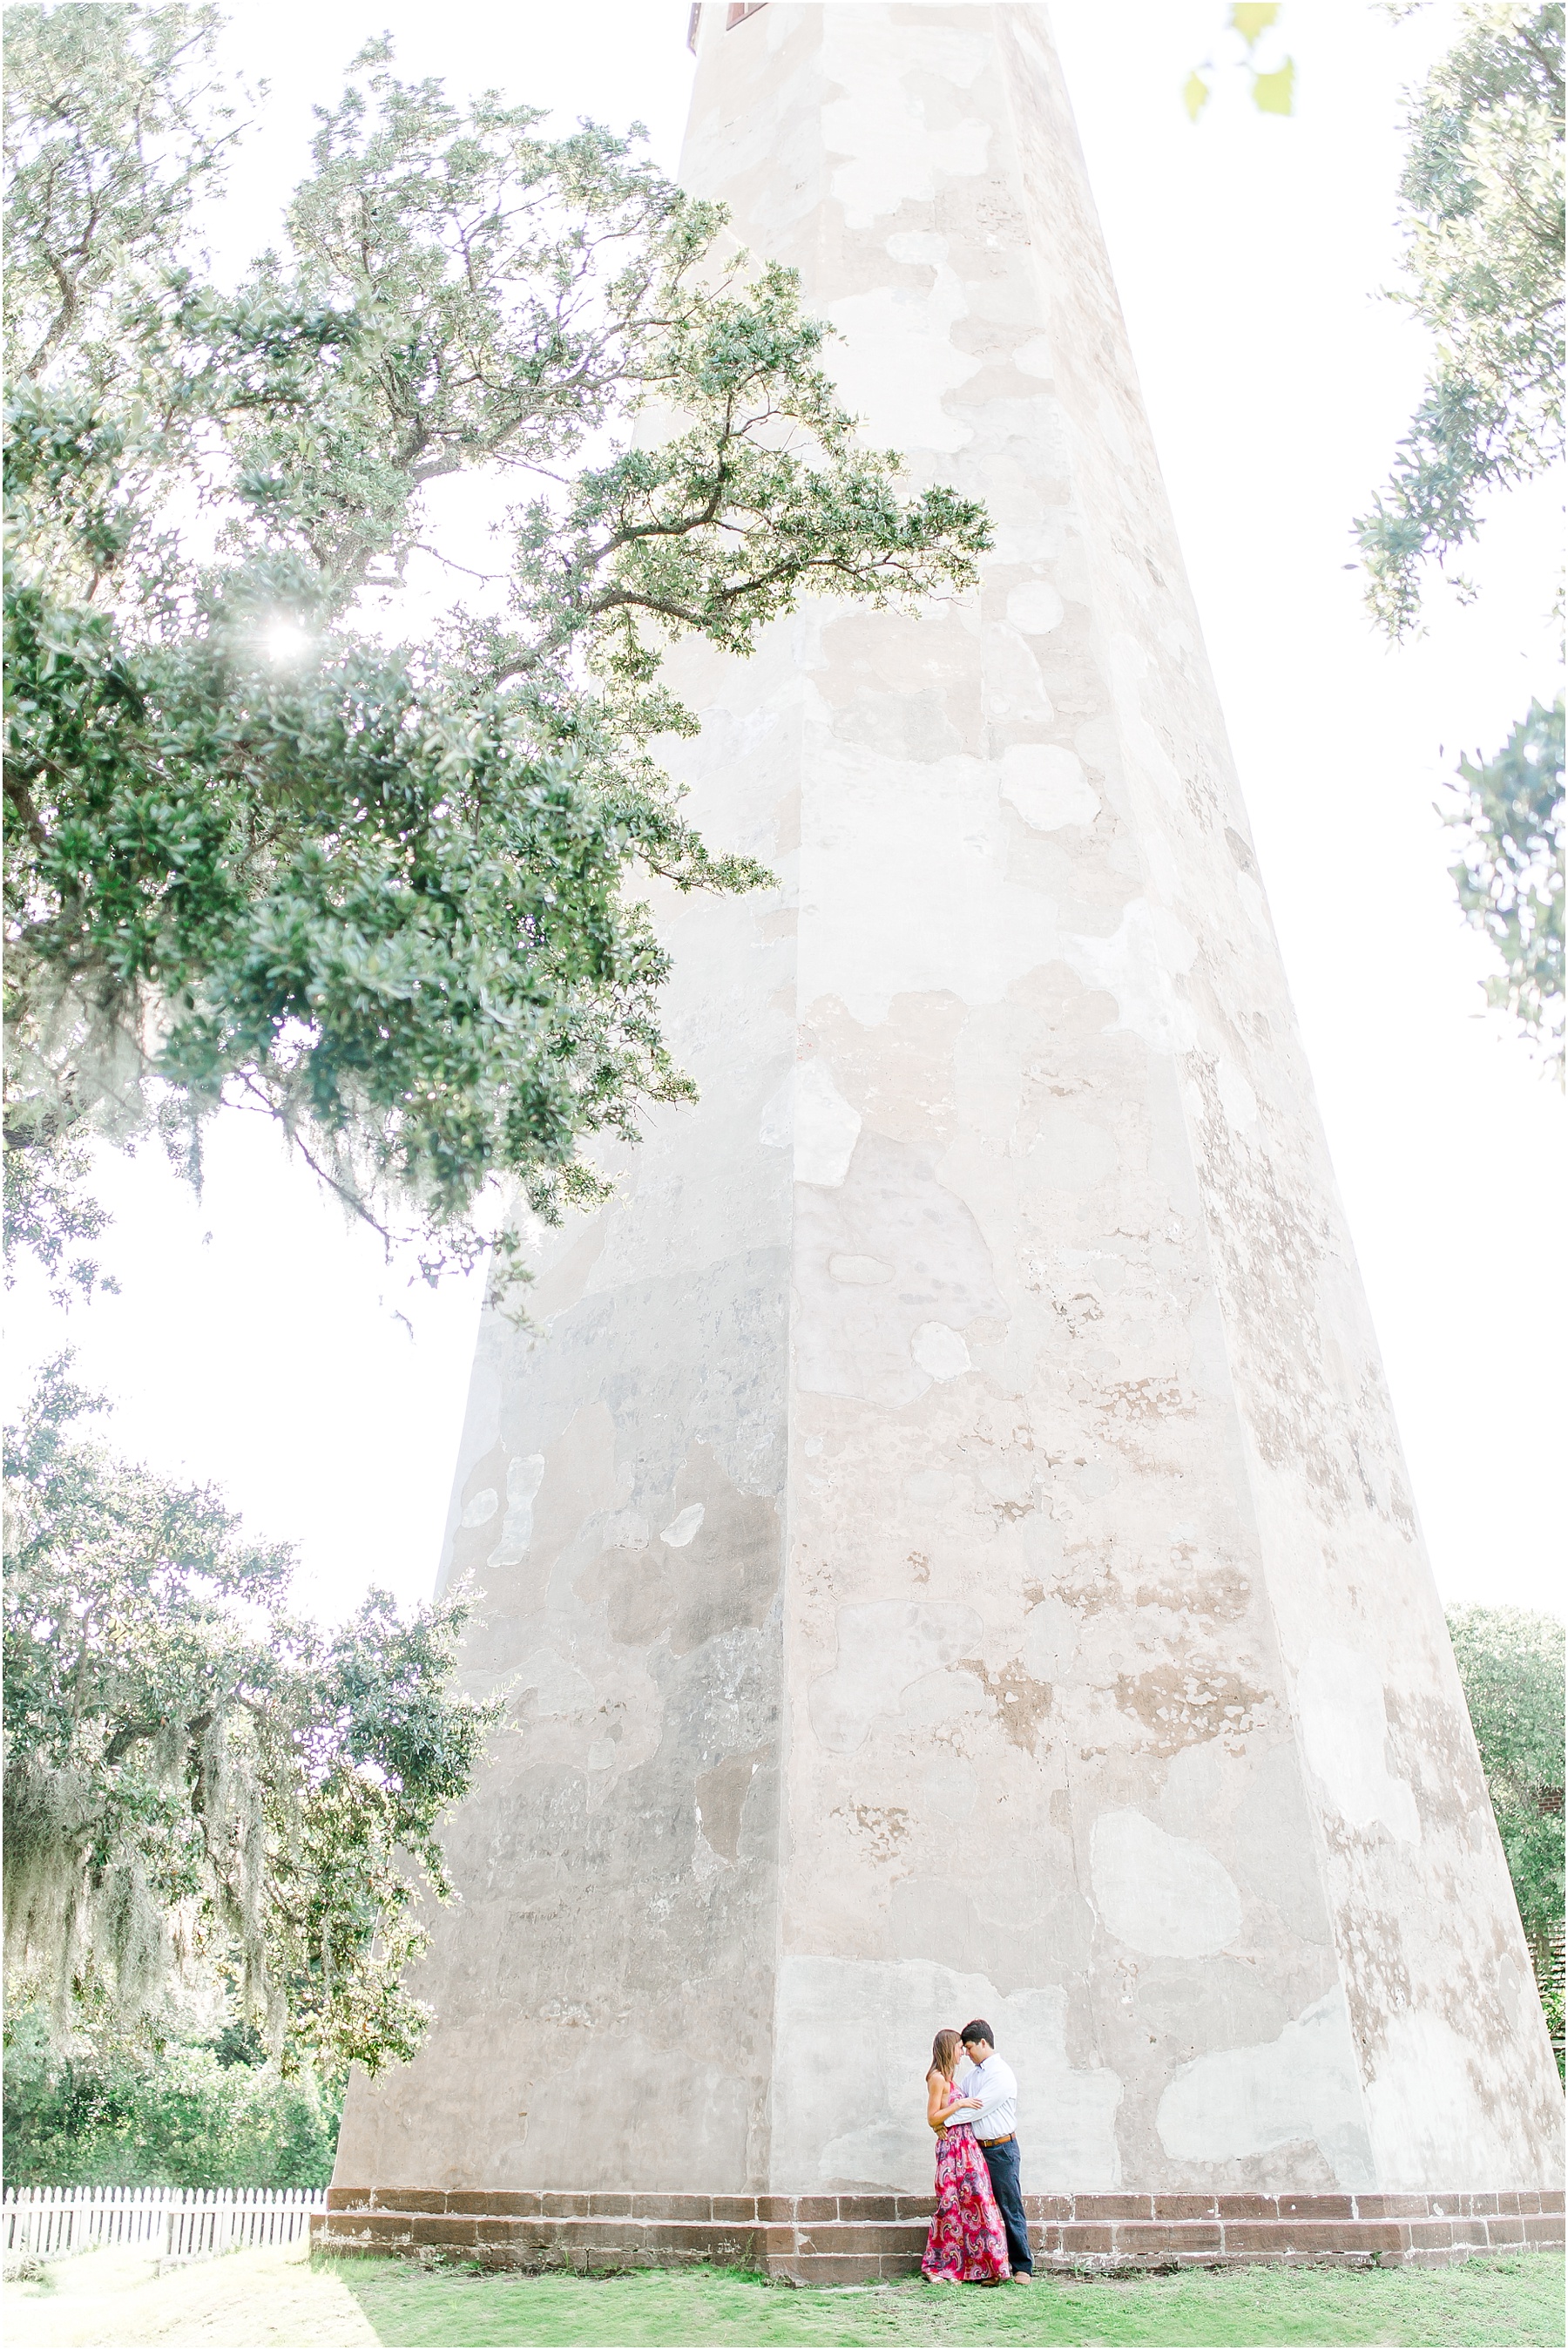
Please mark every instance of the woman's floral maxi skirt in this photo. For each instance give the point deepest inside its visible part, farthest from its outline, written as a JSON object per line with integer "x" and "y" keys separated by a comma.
{"x": 968, "y": 2243}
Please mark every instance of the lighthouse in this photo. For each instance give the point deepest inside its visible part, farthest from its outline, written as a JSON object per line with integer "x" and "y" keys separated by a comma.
{"x": 943, "y": 1527}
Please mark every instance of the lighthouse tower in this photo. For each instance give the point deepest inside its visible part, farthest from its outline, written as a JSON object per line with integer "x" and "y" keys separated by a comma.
{"x": 944, "y": 1530}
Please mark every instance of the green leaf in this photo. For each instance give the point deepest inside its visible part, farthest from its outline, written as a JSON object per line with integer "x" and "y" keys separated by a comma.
{"x": 1195, "y": 95}
{"x": 1250, "y": 17}
{"x": 1275, "y": 93}
{"x": 1508, "y": 878}
{"x": 1483, "y": 197}
{"x": 392, "y": 894}
{"x": 1511, "y": 1667}
{"x": 203, "y": 1780}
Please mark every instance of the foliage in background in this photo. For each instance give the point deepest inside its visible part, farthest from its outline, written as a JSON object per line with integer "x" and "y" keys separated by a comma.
{"x": 1272, "y": 89}
{"x": 1511, "y": 1663}
{"x": 1509, "y": 877}
{"x": 52, "y": 1218}
{"x": 256, "y": 851}
{"x": 199, "y": 1787}
{"x": 1483, "y": 207}
{"x": 1483, "y": 212}
{"x": 133, "y": 2115}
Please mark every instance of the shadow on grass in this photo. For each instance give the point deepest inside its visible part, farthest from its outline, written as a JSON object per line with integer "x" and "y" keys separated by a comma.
{"x": 1487, "y": 2304}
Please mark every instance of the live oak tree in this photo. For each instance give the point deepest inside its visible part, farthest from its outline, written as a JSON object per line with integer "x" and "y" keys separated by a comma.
{"x": 260, "y": 852}
{"x": 1483, "y": 197}
{"x": 202, "y": 1788}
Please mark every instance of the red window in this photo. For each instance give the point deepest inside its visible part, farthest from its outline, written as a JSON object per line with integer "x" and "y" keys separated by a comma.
{"x": 736, "y": 14}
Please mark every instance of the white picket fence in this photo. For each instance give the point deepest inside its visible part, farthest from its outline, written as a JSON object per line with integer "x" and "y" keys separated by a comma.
{"x": 165, "y": 2222}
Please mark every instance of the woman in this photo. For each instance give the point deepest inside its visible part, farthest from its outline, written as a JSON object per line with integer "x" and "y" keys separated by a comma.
{"x": 967, "y": 2243}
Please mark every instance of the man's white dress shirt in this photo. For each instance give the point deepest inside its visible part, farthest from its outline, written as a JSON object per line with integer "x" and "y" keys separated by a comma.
{"x": 996, "y": 2086}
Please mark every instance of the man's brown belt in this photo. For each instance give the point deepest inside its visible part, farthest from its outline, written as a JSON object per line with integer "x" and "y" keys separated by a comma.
{"x": 998, "y": 2141}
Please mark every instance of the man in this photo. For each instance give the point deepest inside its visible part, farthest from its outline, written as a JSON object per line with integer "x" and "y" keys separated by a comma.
{"x": 994, "y": 2084}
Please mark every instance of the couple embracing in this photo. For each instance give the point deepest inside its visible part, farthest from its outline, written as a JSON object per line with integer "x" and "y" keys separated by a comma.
{"x": 979, "y": 2235}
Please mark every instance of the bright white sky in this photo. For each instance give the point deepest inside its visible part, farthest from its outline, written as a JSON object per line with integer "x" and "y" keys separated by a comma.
{"x": 257, "y": 1344}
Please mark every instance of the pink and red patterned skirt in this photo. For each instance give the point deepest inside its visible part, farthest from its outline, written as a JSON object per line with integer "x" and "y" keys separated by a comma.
{"x": 967, "y": 2243}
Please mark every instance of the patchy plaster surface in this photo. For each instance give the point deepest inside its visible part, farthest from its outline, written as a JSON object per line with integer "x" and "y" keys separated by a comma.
{"x": 1299, "y": 2087}
{"x": 871, "y": 2133}
{"x": 1160, "y": 1894}
{"x": 944, "y": 1539}
{"x": 1344, "y": 1717}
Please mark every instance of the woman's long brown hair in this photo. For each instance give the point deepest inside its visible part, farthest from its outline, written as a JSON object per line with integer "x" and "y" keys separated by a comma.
{"x": 945, "y": 2053}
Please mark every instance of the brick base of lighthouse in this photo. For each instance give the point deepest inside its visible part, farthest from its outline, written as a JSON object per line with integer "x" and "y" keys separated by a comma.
{"x": 863, "y": 2239}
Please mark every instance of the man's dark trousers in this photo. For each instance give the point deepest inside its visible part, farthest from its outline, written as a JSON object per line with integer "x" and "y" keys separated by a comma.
{"x": 1001, "y": 2161}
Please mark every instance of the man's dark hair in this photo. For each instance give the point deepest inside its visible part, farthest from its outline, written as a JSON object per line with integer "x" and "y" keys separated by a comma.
{"x": 978, "y": 2030}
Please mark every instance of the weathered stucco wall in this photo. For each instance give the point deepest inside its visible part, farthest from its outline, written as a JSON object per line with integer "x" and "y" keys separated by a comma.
{"x": 620, "y": 1500}
{"x": 981, "y": 1574}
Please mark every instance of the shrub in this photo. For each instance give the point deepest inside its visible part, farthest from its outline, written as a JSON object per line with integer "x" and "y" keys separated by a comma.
{"x": 182, "y": 2115}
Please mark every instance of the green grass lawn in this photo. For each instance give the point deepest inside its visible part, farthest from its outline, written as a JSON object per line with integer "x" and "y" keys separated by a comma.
{"x": 279, "y": 2300}
{"x": 1498, "y": 2303}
